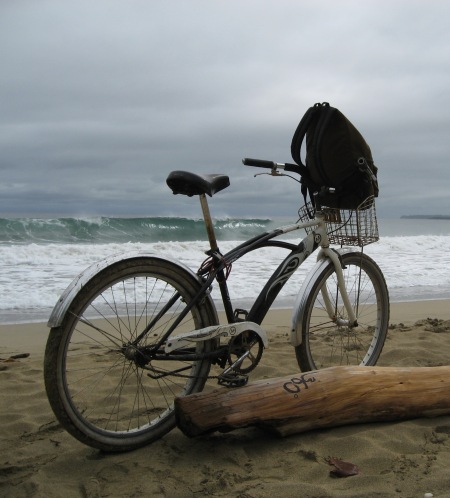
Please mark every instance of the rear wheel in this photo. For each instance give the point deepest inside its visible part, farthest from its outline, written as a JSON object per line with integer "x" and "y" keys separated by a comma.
{"x": 327, "y": 341}
{"x": 100, "y": 382}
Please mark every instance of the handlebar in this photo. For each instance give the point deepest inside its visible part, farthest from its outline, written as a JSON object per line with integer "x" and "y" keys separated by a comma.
{"x": 261, "y": 163}
{"x": 293, "y": 168}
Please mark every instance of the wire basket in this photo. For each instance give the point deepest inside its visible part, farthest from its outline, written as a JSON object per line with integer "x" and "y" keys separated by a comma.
{"x": 347, "y": 227}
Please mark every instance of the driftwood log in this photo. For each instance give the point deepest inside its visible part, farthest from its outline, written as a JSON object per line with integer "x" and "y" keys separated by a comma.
{"x": 325, "y": 398}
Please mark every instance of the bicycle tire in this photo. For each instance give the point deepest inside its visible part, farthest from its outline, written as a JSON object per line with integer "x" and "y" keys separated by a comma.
{"x": 101, "y": 397}
{"x": 324, "y": 343}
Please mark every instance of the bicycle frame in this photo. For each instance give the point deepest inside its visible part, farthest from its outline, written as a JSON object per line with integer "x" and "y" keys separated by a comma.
{"x": 298, "y": 254}
{"x": 215, "y": 269}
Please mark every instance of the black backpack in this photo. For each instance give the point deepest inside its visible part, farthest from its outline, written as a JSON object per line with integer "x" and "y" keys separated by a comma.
{"x": 336, "y": 156}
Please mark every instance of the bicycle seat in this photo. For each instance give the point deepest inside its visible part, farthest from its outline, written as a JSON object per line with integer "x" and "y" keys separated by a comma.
{"x": 186, "y": 183}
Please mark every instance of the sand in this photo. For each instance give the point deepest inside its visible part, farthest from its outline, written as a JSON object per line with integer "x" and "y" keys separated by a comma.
{"x": 397, "y": 459}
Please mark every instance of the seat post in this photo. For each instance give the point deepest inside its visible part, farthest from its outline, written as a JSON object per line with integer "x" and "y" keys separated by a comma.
{"x": 208, "y": 222}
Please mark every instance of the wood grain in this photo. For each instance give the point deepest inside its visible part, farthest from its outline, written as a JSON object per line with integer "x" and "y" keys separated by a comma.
{"x": 325, "y": 398}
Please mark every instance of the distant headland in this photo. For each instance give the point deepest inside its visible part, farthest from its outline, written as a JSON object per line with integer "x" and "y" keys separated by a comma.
{"x": 426, "y": 217}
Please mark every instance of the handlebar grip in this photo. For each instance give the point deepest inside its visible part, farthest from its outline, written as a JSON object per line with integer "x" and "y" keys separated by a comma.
{"x": 260, "y": 163}
{"x": 294, "y": 168}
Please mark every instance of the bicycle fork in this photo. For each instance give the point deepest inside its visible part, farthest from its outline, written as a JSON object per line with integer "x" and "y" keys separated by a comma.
{"x": 352, "y": 321}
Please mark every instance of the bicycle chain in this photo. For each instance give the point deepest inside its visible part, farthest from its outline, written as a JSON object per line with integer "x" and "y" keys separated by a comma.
{"x": 185, "y": 376}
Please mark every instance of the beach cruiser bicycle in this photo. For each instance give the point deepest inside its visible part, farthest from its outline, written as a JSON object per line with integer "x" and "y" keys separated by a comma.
{"x": 132, "y": 332}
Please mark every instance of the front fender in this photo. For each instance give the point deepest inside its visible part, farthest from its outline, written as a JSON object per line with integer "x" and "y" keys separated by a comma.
{"x": 302, "y": 296}
{"x": 85, "y": 276}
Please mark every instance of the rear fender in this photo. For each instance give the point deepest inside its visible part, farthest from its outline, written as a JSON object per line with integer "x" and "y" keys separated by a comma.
{"x": 85, "y": 276}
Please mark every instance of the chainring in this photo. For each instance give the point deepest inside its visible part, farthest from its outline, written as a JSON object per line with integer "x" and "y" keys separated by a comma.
{"x": 248, "y": 341}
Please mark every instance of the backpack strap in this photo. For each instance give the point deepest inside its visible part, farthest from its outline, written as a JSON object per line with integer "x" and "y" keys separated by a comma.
{"x": 300, "y": 132}
{"x": 296, "y": 146}
{"x": 299, "y": 136}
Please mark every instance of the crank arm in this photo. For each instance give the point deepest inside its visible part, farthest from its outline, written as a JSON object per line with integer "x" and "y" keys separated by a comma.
{"x": 237, "y": 363}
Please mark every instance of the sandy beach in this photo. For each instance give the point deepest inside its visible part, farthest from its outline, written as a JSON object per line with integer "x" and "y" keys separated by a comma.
{"x": 397, "y": 459}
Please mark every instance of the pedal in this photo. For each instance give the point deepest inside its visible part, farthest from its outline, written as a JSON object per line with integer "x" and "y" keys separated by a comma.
{"x": 232, "y": 380}
{"x": 240, "y": 315}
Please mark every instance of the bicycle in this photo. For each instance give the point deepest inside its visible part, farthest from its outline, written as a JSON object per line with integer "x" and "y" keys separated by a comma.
{"x": 134, "y": 331}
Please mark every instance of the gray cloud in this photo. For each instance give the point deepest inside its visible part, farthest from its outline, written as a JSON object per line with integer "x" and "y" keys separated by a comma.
{"x": 101, "y": 100}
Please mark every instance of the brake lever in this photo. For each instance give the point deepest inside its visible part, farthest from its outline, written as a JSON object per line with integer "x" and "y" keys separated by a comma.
{"x": 273, "y": 172}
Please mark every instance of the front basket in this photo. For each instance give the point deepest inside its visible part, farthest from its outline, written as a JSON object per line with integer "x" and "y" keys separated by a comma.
{"x": 345, "y": 227}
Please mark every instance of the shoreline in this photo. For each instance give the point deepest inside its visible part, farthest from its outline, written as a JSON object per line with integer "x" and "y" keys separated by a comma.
{"x": 32, "y": 336}
{"x": 15, "y": 317}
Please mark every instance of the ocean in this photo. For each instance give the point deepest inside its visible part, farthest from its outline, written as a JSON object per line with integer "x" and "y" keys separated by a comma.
{"x": 40, "y": 257}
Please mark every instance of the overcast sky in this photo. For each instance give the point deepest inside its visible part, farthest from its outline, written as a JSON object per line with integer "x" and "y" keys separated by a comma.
{"x": 100, "y": 100}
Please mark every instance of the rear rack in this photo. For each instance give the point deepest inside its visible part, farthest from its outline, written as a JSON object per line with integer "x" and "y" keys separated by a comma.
{"x": 347, "y": 227}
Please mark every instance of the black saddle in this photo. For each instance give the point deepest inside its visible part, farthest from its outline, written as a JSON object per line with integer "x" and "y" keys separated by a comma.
{"x": 186, "y": 183}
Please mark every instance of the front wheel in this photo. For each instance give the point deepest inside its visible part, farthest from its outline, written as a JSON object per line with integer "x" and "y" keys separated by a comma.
{"x": 326, "y": 340}
{"x": 107, "y": 383}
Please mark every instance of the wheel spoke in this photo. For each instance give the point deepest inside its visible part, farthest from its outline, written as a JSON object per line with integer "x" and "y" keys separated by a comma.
{"x": 326, "y": 340}
{"x": 92, "y": 376}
